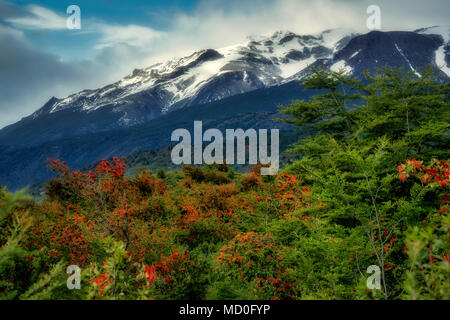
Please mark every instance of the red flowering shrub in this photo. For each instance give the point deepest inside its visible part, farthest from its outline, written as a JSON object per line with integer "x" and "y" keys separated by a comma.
{"x": 176, "y": 276}
{"x": 219, "y": 198}
{"x": 147, "y": 185}
{"x": 131, "y": 236}
{"x": 437, "y": 172}
{"x": 428, "y": 247}
{"x": 251, "y": 181}
{"x": 106, "y": 192}
{"x": 258, "y": 259}
{"x": 199, "y": 226}
{"x": 291, "y": 195}
{"x": 154, "y": 207}
{"x": 435, "y": 175}
{"x": 68, "y": 239}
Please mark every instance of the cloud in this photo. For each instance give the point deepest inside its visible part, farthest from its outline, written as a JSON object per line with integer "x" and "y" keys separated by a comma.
{"x": 29, "y": 77}
{"x": 133, "y": 35}
{"x": 219, "y": 23}
{"x": 216, "y": 23}
{"x": 39, "y": 18}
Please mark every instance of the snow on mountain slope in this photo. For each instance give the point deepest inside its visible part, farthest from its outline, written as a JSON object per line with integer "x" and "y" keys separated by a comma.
{"x": 443, "y": 53}
{"x": 341, "y": 65}
{"x": 259, "y": 62}
{"x": 214, "y": 74}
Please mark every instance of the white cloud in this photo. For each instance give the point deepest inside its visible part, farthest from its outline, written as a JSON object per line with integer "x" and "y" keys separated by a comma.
{"x": 217, "y": 23}
{"x": 29, "y": 76}
{"x": 133, "y": 35}
{"x": 39, "y": 18}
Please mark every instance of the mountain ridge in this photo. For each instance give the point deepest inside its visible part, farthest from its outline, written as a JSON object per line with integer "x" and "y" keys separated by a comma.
{"x": 213, "y": 74}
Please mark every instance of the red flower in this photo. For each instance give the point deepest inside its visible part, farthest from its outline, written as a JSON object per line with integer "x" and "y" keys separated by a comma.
{"x": 150, "y": 273}
{"x": 101, "y": 282}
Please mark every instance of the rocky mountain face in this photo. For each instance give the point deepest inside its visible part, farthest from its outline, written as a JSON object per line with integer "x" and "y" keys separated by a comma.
{"x": 409, "y": 50}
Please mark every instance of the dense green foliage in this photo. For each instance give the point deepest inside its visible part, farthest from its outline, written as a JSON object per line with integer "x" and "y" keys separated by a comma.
{"x": 369, "y": 188}
{"x": 362, "y": 134}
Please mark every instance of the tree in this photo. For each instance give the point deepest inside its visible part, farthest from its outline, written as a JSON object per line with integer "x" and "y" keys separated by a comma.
{"x": 360, "y": 132}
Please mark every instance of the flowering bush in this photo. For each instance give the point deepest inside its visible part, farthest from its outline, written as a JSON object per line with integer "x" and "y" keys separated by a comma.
{"x": 135, "y": 238}
{"x": 437, "y": 173}
{"x": 428, "y": 247}
{"x": 258, "y": 259}
{"x": 348, "y": 202}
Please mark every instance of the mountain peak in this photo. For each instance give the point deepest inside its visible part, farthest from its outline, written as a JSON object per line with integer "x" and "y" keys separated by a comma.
{"x": 262, "y": 61}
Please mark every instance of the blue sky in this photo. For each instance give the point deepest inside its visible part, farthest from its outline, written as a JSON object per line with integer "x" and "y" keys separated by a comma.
{"x": 118, "y": 11}
{"x": 76, "y": 44}
{"x": 41, "y": 58}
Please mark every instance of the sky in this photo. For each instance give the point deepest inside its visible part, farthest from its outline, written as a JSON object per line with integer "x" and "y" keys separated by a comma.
{"x": 40, "y": 57}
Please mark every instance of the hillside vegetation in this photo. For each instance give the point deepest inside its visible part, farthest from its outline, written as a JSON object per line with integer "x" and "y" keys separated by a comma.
{"x": 369, "y": 188}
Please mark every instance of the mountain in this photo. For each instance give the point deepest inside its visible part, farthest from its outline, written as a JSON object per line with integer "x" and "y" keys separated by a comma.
{"x": 442, "y": 55}
{"x": 205, "y": 76}
{"x": 213, "y": 74}
{"x": 236, "y": 86}
{"x": 409, "y": 50}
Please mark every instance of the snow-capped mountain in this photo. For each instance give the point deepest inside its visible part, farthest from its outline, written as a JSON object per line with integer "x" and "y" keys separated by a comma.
{"x": 206, "y": 76}
{"x": 214, "y": 74}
